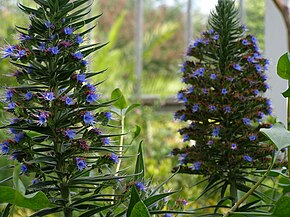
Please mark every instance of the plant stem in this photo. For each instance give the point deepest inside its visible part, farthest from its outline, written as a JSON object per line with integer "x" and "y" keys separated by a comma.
{"x": 233, "y": 191}
{"x": 121, "y": 142}
{"x": 288, "y": 127}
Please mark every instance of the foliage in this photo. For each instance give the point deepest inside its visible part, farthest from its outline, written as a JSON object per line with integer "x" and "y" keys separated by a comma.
{"x": 224, "y": 74}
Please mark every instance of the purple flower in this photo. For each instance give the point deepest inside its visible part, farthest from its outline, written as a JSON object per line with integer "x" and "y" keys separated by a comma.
{"x": 54, "y": 50}
{"x": 48, "y": 24}
{"x": 84, "y": 62}
{"x": 195, "y": 107}
{"x": 182, "y": 117}
{"x": 140, "y": 186}
{"x": 106, "y": 140}
{"x": 247, "y": 121}
{"x": 67, "y": 31}
{"x": 108, "y": 115}
{"x": 81, "y": 78}
{"x": 52, "y": 37}
{"x": 20, "y": 54}
{"x": 23, "y": 168}
{"x": 92, "y": 97}
{"x": 81, "y": 163}
{"x": 212, "y": 108}
{"x": 185, "y": 137}
{"x": 42, "y": 118}
{"x": 199, "y": 72}
{"x": 197, "y": 42}
{"x": 190, "y": 90}
{"x": 91, "y": 87}
{"x": 213, "y": 76}
{"x": 63, "y": 20}
{"x": 258, "y": 68}
{"x": 49, "y": 96}
{"x": 224, "y": 91}
{"x": 24, "y": 37}
{"x": 182, "y": 158}
{"x": 268, "y": 102}
{"x": 227, "y": 109}
{"x": 196, "y": 165}
{"x": 181, "y": 97}
{"x": 248, "y": 158}
{"x": 42, "y": 46}
{"x": 216, "y": 131}
{"x": 251, "y": 59}
{"x": 237, "y": 67}
{"x": 168, "y": 215}
{"x": 234, "y": 146}
{"x": 28, "y": 96}
{"x": 70, "y": 133}
{"x": 78, "y": 55}
{"x": 11, "y": 106}
{"x": 245, "y": 42}
{"x": 257, "y": 55}
{"x": 88, "y": 119}
{"x": 35, "y": 181}
{"x": 79, "y": 40}
{"x": 114, "y": 158}
{"x": 8, "y": 52}
{"x": 215, "y": 37}
{"x": 256, "y": 92}
{"x": 18, "y": 137}
{"x": 211, "y": 31}
{"x": 205, "y": 90}
{"x": 9, "y": 95}
{"x": 69, "y": 101}
{"x": 252, "y": 137}
{"x": 254, "y": 39}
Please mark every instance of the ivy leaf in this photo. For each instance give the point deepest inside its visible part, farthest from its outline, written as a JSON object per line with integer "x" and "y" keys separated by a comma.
{"x": 283, "y": 66}
{"x": 120, "y": 99}
{"x": 140, "y": 210}
{"x": 278, "y": 135}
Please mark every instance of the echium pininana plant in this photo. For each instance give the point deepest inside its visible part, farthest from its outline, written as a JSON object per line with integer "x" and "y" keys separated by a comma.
{"x": 59, "y": 133}
{"x": 224, "y": 73}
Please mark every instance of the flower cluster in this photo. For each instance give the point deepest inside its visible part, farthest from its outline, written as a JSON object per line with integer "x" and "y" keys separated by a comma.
{"x": 223, "y": 103}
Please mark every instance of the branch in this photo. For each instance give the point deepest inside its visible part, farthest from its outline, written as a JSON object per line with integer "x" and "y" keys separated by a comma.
{"x": 283, "y": 8}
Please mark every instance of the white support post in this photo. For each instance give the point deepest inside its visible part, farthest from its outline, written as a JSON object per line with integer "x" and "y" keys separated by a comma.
{"x": 242, "y": 11}
{"x": 188, "y": 26}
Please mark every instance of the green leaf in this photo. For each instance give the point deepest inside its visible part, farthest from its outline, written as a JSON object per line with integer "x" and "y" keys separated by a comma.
{"x": 283, "y": 66}
{"x": 139, "y": 168}
{"x": 18, "y": 185}
{"x": 282, "y": 208}
{"x": 121, "y": 101}
{"x": 131, "y": 107}
{"x": 278, "y": 135}
{"x": 140, "y": 210}
{"x": 286, "y": 93}
{"x": 35, "y": 201}
{"x": 134, "y": 199}
{"x": 151, "y": 200}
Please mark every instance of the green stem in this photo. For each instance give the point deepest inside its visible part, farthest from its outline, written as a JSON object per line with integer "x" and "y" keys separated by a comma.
{"x": 288, "y": 127}
{"x": 121, "y": 142}
{"x": 233, "y": 191}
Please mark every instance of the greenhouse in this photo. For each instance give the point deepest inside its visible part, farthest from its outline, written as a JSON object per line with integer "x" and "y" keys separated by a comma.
{"x": 141, "y": 108}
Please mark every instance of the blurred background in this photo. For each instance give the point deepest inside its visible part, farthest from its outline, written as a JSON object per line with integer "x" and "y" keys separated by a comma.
{"x": 147, "y": 40}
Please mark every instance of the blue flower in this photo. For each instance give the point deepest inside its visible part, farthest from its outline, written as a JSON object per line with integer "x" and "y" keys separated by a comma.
{"x": 84, "y": 62}
{"x": 224, "y": 91}
{"x": 52, "y": 37}
{"x": 63, "y": 20}
{"x": 42, "y": 118}
{"x": 215, "y": 37}
{"x": 11, "y": 106}
{"x": 78, "y": 55}
{"x": 182, "y": 69}
{"x": 79, "y": 40}
{"x": 234, "y": 146}
{"x": 254, "y": 39}
{"x": 182, "y": 158}
{"x": 195, "y": 107}
{"x": 168, "y": 215}
{"x": 48, "y": 24}
{"x": 237, "y": 67}
{"x": 54, "y": 50}
{"x": 251, "y": 59}
{"x": 257, "y": 55}
{"x": 268, "y": 102}
{"x": 211, "y": 31}
{"x": 140, "y": 186}
{"x": 20, "y": 54}
{"x": 91, "y": 87}
{"x": 199, "y": 72}
{"x": 256, "y": 92}
{"x": 42, "y": 46}
{"x": 108, "y": 115}
{"x": 9, "y": 95}
{"x": 247, "y": 121}
{"x": 185, "y": 137}
{"x": 28, "y": 96}
{"x": 92, "y": 97}
{"x": 258, "y": 68}
{"x": 5, "y": 147}
{"x": 70, "y": 133}
{"x": 18, "y": 137}
{"x": 81, "y": 164}
{"x": 88, "y": 119}
{"x": 197, "y": 42}
{"x": 227, "y": 109}
{"x": 69, "y": 101}
{"x": 35, "y": 181}
{"x": 106, "y": 140}
{"x": 23, "y": 168}
{"x": 245, "y": 42}
{"x": 114, "y": 158}
{"x": 252, "y": 137}
{"x": 181, "y": 97}
{"x": 190, "y": 90}
{"x": 213, "y": 76}
{"x": 248, "y": 158}
{"x": 24, "y": 37}
{"x": 212, "y": 108}
{"x": 81, "y": 78}
{"x": 49, "y": 96}
{"x": 216, "y": 131}
{"x": 205, "y": 90}
{"x": 182, "y": 117}
{"x": 196, "y": 165}
{"x": 8, "y": 52}
{"x": 67, "y": 31}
